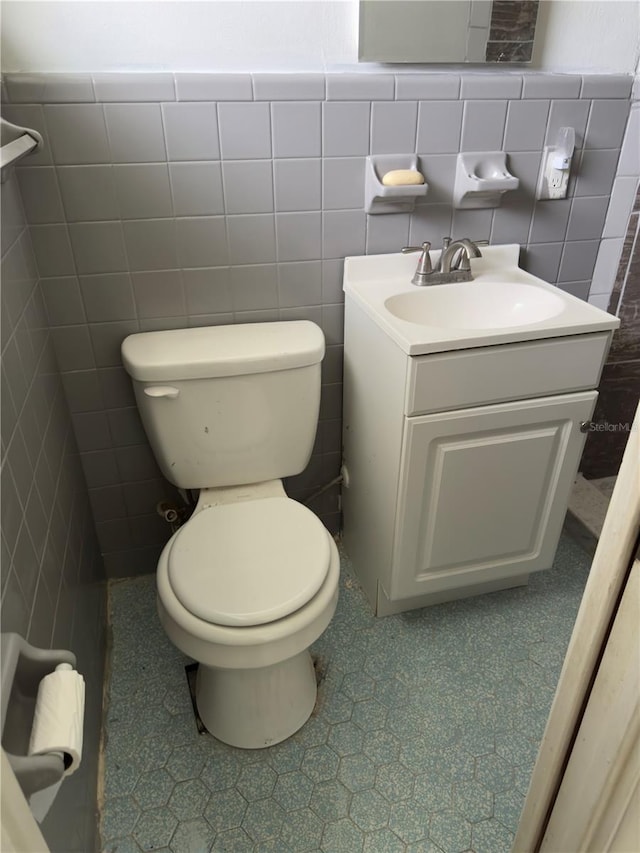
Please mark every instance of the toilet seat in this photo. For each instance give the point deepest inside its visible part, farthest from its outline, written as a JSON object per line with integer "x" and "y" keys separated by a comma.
{"x": 249, "y": 563}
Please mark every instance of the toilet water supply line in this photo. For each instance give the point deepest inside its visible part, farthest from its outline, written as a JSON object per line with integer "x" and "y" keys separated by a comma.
{"x": 176, "y": 516}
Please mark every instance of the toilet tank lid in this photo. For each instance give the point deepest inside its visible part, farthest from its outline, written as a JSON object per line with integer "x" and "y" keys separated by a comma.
{"x": 213, "y": 351}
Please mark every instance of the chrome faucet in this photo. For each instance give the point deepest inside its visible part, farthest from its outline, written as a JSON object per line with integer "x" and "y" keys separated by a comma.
{"x": 456, "y": 255}
{"x": 454, "y": 264}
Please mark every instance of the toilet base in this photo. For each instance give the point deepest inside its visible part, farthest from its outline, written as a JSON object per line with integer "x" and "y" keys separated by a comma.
{"x": 256, "y": 708}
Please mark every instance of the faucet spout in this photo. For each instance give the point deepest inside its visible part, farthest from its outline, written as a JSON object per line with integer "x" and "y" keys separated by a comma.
{"x": 456, "y": 255}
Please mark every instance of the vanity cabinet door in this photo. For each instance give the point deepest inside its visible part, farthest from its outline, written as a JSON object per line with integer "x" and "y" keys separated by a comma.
{"x": 483, "y": 492}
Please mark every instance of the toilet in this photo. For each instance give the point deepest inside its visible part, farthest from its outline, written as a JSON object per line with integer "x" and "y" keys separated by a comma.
{"x": 250, "y": 581}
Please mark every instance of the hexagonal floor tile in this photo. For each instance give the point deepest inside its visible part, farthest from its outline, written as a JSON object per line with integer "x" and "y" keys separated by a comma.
{"x": 330, "y": 800}
{"x": 186, "y": 762}
{"x": 369, "y": 810}
{"x": 220, "y": 772}
{"x": 369, "y": 715}
{"x": 256, "y": 782}
{"x": 293, "y": 790}
{"x": 263, "y": 820}
{"x": 153, "y": 789}
{"x": 346, "y": 738}
{"x": 155, "y": 829}
{"x": 494, "y": 772}
{"x": 490, "y": 836}
{"x": 473, "y": 801}
{"x": 450, "y": 831}
{"x": 357, "y": 686}
{"x": 395, "y": 782}
{"x": 357, "y": 772}
{"x": 286, "y": 756}
{"x": 383, "y": 841}
{"x": 225, "y": 810}
{"x": 507, "y": 808}
{"x": 119, "y": 816}
{"x": 409, "y": 820}
{"x": 435, "y": 793}
{"x": 382, "y": 747}
{"x": 302, "y": 830}
{"x": 320, "y": 763}
{"x": 342, "y": 836}
{"x": 232, "y": 841}
{"x": 188, "y": 799}
{"x": 192, "y": 836}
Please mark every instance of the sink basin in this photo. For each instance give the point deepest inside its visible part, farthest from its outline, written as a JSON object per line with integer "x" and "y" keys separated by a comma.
{"x": 502, "y": 304}
{"x": 494, "y": 305}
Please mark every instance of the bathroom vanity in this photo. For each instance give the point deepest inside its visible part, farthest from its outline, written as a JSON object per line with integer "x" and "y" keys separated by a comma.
{"x": 463, "y": 406}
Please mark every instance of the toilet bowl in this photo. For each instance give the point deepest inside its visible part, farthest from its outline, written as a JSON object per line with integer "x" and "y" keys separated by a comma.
{"x": 250, "y": 581}
{"x": 250, "y": 625}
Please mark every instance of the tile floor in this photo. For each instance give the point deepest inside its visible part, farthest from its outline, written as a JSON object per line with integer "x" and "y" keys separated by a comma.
{"x": 423, "y": 739}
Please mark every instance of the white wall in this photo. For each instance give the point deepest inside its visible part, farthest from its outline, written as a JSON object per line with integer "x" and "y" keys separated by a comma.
{"x": 261, "y": 35}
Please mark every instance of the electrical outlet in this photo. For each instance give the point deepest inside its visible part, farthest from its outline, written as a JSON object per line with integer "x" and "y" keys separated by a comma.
{"x": 553, "y": 182}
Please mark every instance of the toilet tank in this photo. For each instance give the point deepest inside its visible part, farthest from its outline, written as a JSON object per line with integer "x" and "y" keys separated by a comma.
{"x": 228, "y": 405}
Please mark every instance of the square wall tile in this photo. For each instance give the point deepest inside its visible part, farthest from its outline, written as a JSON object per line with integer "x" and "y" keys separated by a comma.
{"x": 288, "y": 87}
{"x": 296, "y": 129}
{"x": 430, "y": 222}
{"x": 83, "y": 391}
{"x": 387, "y": 232}
{"x": 191, "y": 131}
{"x": 439, "y": 126}
{"x": 345, "y": 129}
{"x": 299, "y": 236}
{"x": 526, "y": 125}
{"x": 248, "y": 186}
{"x": 151, "y": 244}
{"x": 512, "y": 220}
{"x": 543, "y": 260}
{"x": 196, "y": 189}
{"x": 52, "y": 250}
{"x": 596, "y": 172}
{"x": 297, "y": 184}
{"x": 550, "y": 218}
{"x": 92, "y": 431}
{"x": 135, "y": 133}
{"x": 251, "y": 239}
{"x": 567, "y": 114}
{"x": 159, "y": 294}
{"x": 106, "y": 339}
{"x": 98, "y": 247}
{"x": 245, "y": 131}
{"x": 108, "y": 297}
{"x": 586, "y": 220}
{"x": 207, "y": 291}
{"x": 72, "y": 347}
{"x": 576, "y": 288}
{"x": 483, "y": 125}
{"x": 122, "y": 86}
{"x": 77, "y": 133}
{"x": 439, "y": 172}
{"x": 40, "y": 194}
{"x": 630, "y": 154}
{"x": 427, "y": 87}
{"x": 143, "y": 191}
{"x": 299, "y": 284}
{"x": 201, "y": 241}
{"x": 88, "y": 193}
{"x": 578, "y": 260}
{"x": 607, "y": 123}
{"x": 254, "y": 287}
{"x": 478, "y": 223}
{"x": 63, "y": 300}
{"x": 214, "y": 87}
{"x": 344, "y": 233}
{"x": 342, "y": 182}
{"x": 393, "y": 127}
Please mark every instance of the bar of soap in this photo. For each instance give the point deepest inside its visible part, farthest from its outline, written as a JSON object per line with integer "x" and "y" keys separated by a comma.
{"x": 402, "y": 178}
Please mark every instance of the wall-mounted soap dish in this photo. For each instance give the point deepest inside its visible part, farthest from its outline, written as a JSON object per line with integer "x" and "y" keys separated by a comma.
{"x": 482, "y": 178}
{"x": 379, "y": 198}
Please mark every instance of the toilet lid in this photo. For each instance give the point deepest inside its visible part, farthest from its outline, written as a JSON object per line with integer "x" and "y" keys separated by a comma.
{"x": 249, "y": 563}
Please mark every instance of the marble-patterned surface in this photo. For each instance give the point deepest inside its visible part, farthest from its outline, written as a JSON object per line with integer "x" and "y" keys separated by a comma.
{"x": 422, "y": 741}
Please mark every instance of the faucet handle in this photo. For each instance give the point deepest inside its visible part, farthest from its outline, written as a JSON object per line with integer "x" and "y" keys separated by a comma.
{"x": 424, "y": 248}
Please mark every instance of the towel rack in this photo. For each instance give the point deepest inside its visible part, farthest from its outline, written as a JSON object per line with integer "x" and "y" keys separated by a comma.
{"x": 15, "y": 143}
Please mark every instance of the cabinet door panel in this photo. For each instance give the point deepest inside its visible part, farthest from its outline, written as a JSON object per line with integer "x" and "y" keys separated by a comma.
{"x": 483, "y": 492}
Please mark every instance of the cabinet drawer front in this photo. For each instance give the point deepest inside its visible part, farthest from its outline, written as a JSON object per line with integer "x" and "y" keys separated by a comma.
{"x": 457, "y": 380}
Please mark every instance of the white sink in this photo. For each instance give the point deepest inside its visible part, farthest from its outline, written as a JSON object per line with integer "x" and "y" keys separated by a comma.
{"x": 496, "y": 305}
{"x": 502, "y": 304}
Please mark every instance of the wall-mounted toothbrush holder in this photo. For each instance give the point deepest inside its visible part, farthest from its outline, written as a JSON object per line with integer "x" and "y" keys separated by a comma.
{"x": 379, "y": 198}
{"x": 482, "y": 178}
{"x": 22, "y": 669}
